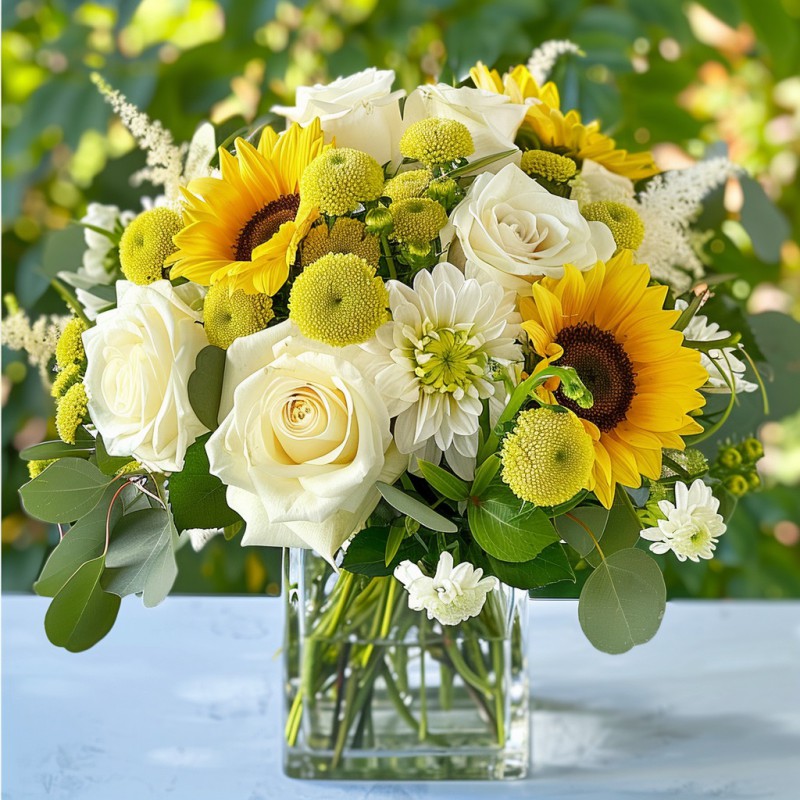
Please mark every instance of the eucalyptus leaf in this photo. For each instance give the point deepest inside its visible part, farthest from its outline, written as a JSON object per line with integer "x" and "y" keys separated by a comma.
{"x": 83, "y": 448}
{"x": 65, "y": 491}
{"x": 574, "y": 532}
{"x": 444, "y": 482}
{"x": 81, "y": 614}
{"x": 507, "y": 528}
{"x": 84, "y": 541}
{"x": 766, "y": 226}
{"x": 411, "y": 507}
{"x": 198, "y": 498}
{"x": 205, "y": 385}
{"x": 142, "y": 555}
{"x": 623, "y": 601}
{"x": 109, "y": 465}
{"x": 623, "y": 528}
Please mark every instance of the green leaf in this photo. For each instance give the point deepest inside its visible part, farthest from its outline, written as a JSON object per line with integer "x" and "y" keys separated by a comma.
{"x": 766, "y": 226}
{"x": 622, "y": 602}
{"x": 366, "y": 553}
{"x": 83, "y": 448}
{"x": 622, "y": 530}
{"x": 109, "y": 465}
{"x": 574, "y": 533}
{"x": 65, "y": 491}
{"x": 507, "y": 528}
{"x": 397, "y": 533}
{"x": 142, "y": 555}
{"x": 197, "y": 497}
{"x": 550, "y": 566}
{"x": 484, "y": 475}
{"x": 444, "y": 482}
{"x": 84, "y": 541}
{"x": 205, "y": 385}
{"x": 81, "y": 614}
{"x": 413, "y": 508}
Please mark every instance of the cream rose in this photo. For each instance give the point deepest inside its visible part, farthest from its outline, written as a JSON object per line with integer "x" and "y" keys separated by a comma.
{"x": 304, "y": 436}
{"x": 361, "y": 111}
{"x": 514, "y": 230}
{"x": 140, "y": 356}
{"x": 492, "y": 119}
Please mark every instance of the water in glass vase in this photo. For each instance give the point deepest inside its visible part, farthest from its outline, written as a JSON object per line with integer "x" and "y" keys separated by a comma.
{"x": 376, "y": 691}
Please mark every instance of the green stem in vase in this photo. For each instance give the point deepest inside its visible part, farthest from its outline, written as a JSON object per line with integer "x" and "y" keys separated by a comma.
{"x": 499, "y": 696}
{"x": 423, "y": 689}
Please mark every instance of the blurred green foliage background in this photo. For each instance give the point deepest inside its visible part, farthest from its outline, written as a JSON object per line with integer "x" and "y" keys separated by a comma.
{"x": 675, "y": 77}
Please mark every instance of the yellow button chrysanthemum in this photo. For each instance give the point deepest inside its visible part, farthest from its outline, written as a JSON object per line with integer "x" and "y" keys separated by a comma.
{"x": 551, "y": 166}
{"x": 346, "y": 235}
{"x": 417, "y": 220}
{"x": 65, "y": 378}
{"x": 338, "y": 300}
{"x": 548, "y": 457}
{"x": 69, "y": 349}
{"x": 407, "y": 184}
{"x": 229, "y": 315}
{"x": 71, "y": 412}
{"x": 436, "y": 141}
{"x": 626, "y": 226}
{"x": 339, "y": 180}
{"x": 38, "y": 466}
{"x": 146, "y": 243}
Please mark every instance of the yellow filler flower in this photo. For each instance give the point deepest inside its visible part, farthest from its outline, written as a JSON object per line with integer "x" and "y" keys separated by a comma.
{"x": 612, "y": 328}
{"x": 564, "y": 132}
{"x": 243, "y": 228}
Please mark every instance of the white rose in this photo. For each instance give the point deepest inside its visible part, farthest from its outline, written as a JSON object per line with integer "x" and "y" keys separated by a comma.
{"x": 360, "y": 111}
{"x": 595, "y": 182}
{"x": 140, "y": 356}
{"x": 303, "y": 439}
{"x": 514, "y": 230}
{"x": 492, "y": 119}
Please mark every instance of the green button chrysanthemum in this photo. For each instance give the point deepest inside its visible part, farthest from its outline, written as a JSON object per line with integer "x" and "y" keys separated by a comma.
{"x": 339, "y": 180}
{"x": 545, "y": 164}
{"x": 71, "y": 412}
{"x": 407, "y": 184}
{"x": 625, "y": 224}
{"x": 436, "y": 141}
{"x": 417, "y": 221}
{"x": 338, "y": 300}
{"x": 146, "y": 243}
{"x": 69, "y": 348}
{"x": 229, "y": 315}
{"x": 548, "y": 457}
{"x": 346, "y": 235}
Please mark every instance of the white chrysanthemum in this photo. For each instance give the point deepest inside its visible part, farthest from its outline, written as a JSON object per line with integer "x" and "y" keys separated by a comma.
{"x": 544, "y": 57}
{"x": 452, "y": 595}
{"x": 723, "y": 367}
{"x": 667, "y": 207}
{"x": 692, "y": 525}
{"x": 434, "y": 362}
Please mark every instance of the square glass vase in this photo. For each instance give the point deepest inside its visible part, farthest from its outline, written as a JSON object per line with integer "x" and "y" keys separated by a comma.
{"x": 376, "y": 691}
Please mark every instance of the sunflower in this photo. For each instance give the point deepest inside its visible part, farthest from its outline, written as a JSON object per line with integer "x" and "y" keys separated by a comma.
{"x": 243, "y": 228}
{"x": 612, "y": 328}
{"x": 562, "y": 132}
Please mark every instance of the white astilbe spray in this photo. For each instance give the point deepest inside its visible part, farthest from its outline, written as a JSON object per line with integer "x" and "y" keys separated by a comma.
{"x": 165, "y": 159}
{"x": 37, "y": 340}
{"x": 544, "y": 57}
{"x": 668, "y": 206}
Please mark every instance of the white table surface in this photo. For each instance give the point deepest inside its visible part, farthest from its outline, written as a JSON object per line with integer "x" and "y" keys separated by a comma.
{"x": 184, "y": 701}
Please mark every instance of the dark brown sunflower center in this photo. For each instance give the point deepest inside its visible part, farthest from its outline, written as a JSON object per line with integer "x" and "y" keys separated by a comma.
{"x": 604, "y": 367}
{"x": 264, "y": 224}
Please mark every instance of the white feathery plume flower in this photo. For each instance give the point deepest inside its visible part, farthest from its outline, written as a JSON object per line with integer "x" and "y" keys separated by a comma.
{"x": 452, "y": 595}
{"x": 436, "y": 361}
{"x": 667, "y": 207}
{"x": 692, "y": 526}
{"x": 37, "y": 340}
{"x": 723, "y": 367}
{"x": 544, "y": 57}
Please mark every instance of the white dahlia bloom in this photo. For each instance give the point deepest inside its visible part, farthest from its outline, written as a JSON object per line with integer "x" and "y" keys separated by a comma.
{"x": 436, "y": 361}
{"x": 692, "y": 525}
{"x": 723, "y": 367}
{"x": 452, "y": 595}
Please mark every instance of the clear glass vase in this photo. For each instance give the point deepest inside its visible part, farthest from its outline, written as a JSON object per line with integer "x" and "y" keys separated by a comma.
{"x": 375, "y": 691}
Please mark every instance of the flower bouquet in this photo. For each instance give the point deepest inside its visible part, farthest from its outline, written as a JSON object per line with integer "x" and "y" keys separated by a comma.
{"x": 445, "y": 348}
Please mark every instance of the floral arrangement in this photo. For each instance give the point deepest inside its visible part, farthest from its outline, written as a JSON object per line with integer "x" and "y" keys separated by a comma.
{"x": 452, "y": 337}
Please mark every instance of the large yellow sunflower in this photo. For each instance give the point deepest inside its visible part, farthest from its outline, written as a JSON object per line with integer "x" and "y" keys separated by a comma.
{"x": 243, "y": 228}
{"x": 613, "y": 329}
{"x": 563, "y": 132}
